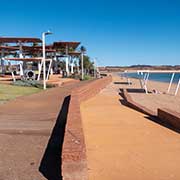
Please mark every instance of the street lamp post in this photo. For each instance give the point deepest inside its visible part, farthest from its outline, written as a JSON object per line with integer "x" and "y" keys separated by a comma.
{"x": 44, "y": 56}
{"x": 82, "y": 65}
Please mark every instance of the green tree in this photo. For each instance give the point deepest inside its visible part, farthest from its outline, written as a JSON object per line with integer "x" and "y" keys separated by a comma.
{"x": 88, "y": 65}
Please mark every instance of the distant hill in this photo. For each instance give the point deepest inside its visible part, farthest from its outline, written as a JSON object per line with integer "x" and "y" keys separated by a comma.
{"x": 139, "y": 67}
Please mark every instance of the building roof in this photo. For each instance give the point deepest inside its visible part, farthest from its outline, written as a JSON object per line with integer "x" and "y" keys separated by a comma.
{"x": 19, "y": 39}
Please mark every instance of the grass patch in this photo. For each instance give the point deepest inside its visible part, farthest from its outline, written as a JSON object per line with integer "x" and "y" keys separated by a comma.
{"x": 10, "y": 92}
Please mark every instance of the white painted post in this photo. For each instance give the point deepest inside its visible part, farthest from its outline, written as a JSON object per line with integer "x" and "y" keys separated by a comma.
{"x": 21, "y": 70}
{"x": 2, "y": 61}
{"x": 144, "y": 80}
{"x": 170, "y": 84}
{"x": 20, "y": 50}
{"x": 44, "y": 57}
{"x": 67, "y": 65}
{"x": 39, "y": 68}
{"x": 72, "y": 66}
{"x": 145, "y": 83}
{"x": 14, "y": 79}
{"x": 44, "y": 60}
{"x": 177, "y": 88}
{"x": 140, "y": 78}
{"x": 67, "y": 59}
{"x": 49, "y": 69}
{"x": 82, "y": 65}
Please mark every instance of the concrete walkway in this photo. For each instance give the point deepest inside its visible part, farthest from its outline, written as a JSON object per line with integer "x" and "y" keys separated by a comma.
{"x": 123, "y": 144}
{"x": 25, "y": 127}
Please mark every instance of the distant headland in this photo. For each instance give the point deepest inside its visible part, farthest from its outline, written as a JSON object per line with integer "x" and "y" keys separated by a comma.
{"x": 139, "y": 67}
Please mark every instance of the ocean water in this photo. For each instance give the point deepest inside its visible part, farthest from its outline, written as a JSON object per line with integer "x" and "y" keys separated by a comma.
{"x": 161, "y": 77}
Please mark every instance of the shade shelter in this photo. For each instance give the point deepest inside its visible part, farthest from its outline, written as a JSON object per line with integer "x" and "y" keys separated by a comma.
{"x": 38, "y": 59}
{"x": 13, "y": 49}
{"x": 67, "y": 49}
{"x": 25, "y": 49}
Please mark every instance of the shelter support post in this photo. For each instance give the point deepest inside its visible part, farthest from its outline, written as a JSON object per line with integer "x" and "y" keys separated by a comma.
{"x": 171, "y": 81}
{"x": 21, "y": 69}
{"x": 177, "y": 88}
{"x": 67, "y": 65}
{"x": 14, "y": 79}
{"x": 2, "y": 61}
{"x": 40, "y": 69}
{"x": 50, "y": 64}
{"x": 72, "y": 66}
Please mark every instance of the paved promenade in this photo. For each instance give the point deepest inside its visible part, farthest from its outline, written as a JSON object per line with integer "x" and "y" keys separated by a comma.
{"x": 123, "y": 144}
{"x": 25, "y": 128}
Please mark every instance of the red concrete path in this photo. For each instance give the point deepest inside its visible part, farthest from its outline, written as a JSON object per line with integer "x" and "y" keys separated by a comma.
{"x": 25, "y": 126}
{"x": 123, "y": 144}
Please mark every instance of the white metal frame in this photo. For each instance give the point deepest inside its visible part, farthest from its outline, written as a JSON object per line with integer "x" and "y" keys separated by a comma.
{"x": 144, "y": 80}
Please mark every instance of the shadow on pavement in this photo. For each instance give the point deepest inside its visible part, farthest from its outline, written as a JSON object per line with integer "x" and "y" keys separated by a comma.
{"x": 133, "y": 90}
{"x": 50, "y": 165}
{"x": 159, "y": 121}
{"x": 125, "y": 83}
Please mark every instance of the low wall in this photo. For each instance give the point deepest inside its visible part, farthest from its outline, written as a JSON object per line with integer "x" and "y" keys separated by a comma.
{"x": 135, "y": 105}
{"x": 170, "y": 117}
{"x": 165, "y": 115}
{"x": 74, "y": 162}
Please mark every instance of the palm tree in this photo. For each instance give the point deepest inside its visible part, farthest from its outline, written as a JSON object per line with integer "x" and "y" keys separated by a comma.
{"x": 83, "y": 49}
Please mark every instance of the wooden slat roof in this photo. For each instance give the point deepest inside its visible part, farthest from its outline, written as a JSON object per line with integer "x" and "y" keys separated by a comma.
{"x": 10, "y": 48}
{"x": 23, "y": 59}
{"x": 19, "y": 39}
{"x": 62, "y": 44}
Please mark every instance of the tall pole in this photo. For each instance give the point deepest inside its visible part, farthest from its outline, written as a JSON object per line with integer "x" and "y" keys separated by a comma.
{"x": 67, "y": 59}
{"x": 82, "y": 65}
{"x": 44, "y": 61}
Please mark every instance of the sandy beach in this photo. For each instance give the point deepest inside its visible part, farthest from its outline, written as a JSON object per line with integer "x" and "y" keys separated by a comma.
{"x": 152, "y": 100}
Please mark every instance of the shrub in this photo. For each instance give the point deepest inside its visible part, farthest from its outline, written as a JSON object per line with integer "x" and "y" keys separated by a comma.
{"x": 87, "y": 77}
{"x": 31, "y": 83}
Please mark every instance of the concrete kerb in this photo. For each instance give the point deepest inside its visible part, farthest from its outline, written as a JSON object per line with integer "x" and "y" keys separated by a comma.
{"x": 164, "y": 115}
{"x": 170, "y": 117}
{"x": 135, "y": 105}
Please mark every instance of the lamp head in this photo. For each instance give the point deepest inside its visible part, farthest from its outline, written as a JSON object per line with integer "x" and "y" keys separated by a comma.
{"x": 48, "y": 32}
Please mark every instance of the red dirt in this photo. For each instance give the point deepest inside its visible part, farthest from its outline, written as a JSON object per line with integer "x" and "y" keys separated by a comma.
{"x": 25, "y": 127}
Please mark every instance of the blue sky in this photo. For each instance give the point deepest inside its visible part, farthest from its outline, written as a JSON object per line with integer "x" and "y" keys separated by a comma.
{"x": 116, "y": 32}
